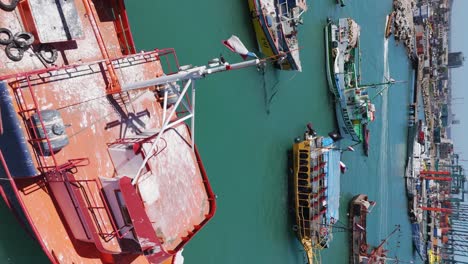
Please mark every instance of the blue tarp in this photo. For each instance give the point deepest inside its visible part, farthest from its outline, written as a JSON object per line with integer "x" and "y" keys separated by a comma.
{"x": 13, "y": 143}
{"x": 333, "y": 171}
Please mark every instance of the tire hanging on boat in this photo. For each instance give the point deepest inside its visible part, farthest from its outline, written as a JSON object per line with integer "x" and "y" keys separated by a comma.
{"x": 8, "y": 7}
{"x": 7, "y": 32}
{"x": 48, "y": 53}
{"x": 23, "y": 39}
{"x": 14, "y": 56}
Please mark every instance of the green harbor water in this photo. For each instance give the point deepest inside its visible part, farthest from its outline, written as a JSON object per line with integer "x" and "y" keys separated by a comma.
{"x": 246, "y": 122}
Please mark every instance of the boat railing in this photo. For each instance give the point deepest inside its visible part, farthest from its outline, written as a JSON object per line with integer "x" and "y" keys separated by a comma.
{"x": 95, "y": 206}
{"x": 283, "y": 10}
{"x": 122, "y": 27}
{"x": 310, "y": 195}
{"x": 24, "y": 85}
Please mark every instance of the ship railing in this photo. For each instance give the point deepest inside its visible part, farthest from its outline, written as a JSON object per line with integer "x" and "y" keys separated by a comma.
{"x": 309, "y": 200}
{"x": 24, "y": 85}
{"x": 100, "y": 210}
{"x": 97, "y": 207}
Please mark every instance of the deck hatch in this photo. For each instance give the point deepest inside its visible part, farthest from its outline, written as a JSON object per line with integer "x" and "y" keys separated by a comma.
{"x": 52, "y": 20}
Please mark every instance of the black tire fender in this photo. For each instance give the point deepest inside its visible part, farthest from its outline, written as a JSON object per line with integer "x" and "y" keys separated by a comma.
{"x": 10, "y": 55}
{"x": 8, "y": 7}
{"x": 7, "y": 32}
{"x": 48, "y": 53}
{"x": 23, "y": 39}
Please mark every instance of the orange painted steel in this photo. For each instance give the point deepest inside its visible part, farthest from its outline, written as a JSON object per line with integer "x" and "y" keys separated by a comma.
{"x": 436, "y": 209}
{"x": 434, "y": 178}
{"x": 114, "y": 85}
{"x": 23, "y": 207}
{"x": 435, "y": 172}
{"x": 122, "y": 27}
{"x": 37, "y": 87}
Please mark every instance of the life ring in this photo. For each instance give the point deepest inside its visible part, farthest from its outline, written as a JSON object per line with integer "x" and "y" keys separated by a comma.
{"x": 8, "y": 7}
{"x": 48, "y": 53}
{"x": 11, "y": 55}
{"x": 7, "y": 32}
{"x": 23, "y": 39}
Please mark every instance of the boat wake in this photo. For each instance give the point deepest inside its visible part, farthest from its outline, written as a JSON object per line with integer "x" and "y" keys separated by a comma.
{"x": 384, "y": 147}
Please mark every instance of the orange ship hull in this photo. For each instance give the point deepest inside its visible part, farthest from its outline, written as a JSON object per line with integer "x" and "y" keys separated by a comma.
{"x": 70, "y": 182}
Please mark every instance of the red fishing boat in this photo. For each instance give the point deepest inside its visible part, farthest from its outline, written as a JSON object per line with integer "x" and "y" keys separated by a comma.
{"x": 361, "y": 252}
{"x": 97, "y": 160}
{"x": 359, "y": 207}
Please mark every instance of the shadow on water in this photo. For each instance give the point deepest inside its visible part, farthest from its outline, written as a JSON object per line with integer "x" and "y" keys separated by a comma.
{"x": 270, "y": 84}
{"x": 291, "y": 216}
{"x": 247, "y": 23}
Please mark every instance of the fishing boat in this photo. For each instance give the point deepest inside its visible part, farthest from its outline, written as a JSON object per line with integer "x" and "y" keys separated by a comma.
{"x": 359, "y": 207}
{"x": 276, "y": 24}
{"x": 389, "y": 25}
{"x": 353, "y": 105}
{"x": 316, "y": 190}
{"x": 361, "y": 251}
{"x": 97, "y": 147}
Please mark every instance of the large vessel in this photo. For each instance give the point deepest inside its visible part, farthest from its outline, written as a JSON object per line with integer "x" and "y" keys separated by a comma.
{"x": 96, "y": 158}
{"x": 353, "y": 105}
{"x": 315, "y": 190}
{"x": 276, "y": 26}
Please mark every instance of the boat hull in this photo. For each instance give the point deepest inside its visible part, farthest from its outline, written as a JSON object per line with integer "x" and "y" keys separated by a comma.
{"x": 336, "y": 87}
{"x": 389, "y": 25}
{"x": 315, "y": 191}
{"x": 72, "y": 200}
{"x": 358, "y": 224}
{"x": 266, "y": 41}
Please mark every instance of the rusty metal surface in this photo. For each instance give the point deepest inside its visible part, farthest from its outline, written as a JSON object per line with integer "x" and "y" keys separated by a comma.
{"x": 96, "y": 119}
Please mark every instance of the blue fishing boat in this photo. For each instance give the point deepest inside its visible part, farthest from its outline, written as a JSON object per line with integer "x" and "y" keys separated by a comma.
{"x": 353, "y": 104}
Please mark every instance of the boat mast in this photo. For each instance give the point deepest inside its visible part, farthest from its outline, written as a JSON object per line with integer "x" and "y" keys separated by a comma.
{"x": 374, "y": 252}
{"x": 187, "y": 78}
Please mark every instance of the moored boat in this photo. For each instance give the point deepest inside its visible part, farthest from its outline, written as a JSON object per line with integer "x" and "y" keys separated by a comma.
{"x": 360, "y": 251}
{"x": 353, "y": 106}
{"x": 96, "y": 160}
{"x": 316, "y": 190}
{"x": 276, "y": 24}
{"x": 389, "y": 24}
{"x": 359, "y": 207}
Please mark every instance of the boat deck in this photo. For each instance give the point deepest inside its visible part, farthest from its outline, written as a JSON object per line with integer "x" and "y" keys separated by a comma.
{"x": 316, "y": 191}
{"x": 358, "y": 225}
{"x": 83, "y": 85}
